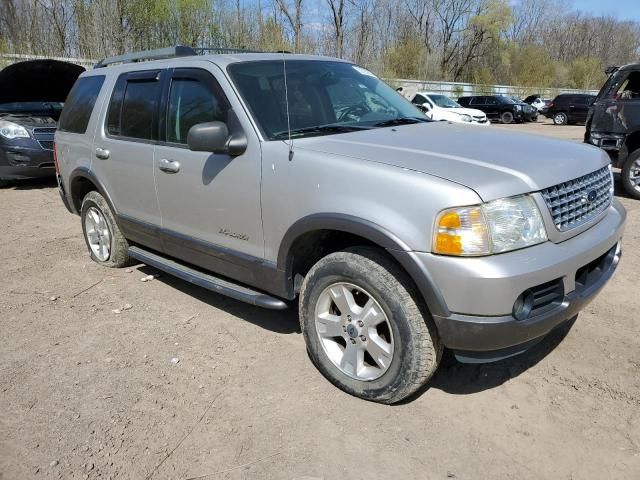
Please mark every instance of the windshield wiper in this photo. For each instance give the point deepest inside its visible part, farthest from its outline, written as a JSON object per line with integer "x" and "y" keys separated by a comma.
{"x": 400, "y": 121}
{"x": 319, "y": 129}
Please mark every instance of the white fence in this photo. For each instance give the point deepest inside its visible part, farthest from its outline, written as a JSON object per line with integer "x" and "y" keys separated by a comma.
{"x": 457, "y": 89}
{"x": 8, "y": 58}
{"x": 409, "y": 87}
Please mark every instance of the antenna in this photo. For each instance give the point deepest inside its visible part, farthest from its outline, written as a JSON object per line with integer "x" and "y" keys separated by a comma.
{"x": 286, "y": 99}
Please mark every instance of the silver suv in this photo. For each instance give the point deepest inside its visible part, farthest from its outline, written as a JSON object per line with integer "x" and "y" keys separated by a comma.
{"x": 276, "y": 177}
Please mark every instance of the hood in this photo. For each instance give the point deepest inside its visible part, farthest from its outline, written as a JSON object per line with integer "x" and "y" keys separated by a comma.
{"x": 495, "y": 163}
{"x": 31, "y": 121}
{"x": 465, "y": 111}
{"x": 38, "y": 81}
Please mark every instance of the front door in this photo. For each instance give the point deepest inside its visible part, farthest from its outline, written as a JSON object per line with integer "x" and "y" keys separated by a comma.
{"x": 210, "y": 203}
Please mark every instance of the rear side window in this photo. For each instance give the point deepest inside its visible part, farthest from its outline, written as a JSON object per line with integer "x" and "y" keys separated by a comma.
{"x": 79, "y": 105}
{"x": 133, "y": 109}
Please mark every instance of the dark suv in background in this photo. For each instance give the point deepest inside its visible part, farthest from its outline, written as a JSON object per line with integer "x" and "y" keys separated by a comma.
{"x": 497, "y": 107}
{"x": 613, "y": 123}
{"x": 570, "y": 108}
{"x": 31, "y": 99}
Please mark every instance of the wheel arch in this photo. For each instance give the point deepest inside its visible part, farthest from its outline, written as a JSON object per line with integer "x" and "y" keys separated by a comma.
{"x": 318, "y": 235}
{"x": 81, "y": 182}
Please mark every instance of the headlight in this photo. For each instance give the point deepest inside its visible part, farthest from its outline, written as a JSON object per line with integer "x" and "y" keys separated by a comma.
{"x": 12, "y": 130}
{"x": 465, "y": 117}
{"x": 494, "y": 227}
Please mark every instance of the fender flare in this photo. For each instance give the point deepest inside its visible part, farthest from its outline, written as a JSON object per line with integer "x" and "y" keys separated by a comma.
{"x": 84, "y": 172}
{"x": 377, "y": 234}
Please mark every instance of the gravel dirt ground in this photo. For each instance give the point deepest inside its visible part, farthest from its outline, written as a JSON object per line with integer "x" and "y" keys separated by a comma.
{"x": 105, "y": 376}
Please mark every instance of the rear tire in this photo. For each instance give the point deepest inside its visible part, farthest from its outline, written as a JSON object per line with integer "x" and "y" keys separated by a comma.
{"x": 506, "y": 117}
{"x": 379, "y": 312}
{"x": 560, "y": 118}
{"x": 107, "y": 246}
{"x": 631, "y": 175}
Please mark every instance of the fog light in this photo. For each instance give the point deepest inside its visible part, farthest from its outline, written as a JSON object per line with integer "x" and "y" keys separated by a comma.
{"x": 524, "y": 304}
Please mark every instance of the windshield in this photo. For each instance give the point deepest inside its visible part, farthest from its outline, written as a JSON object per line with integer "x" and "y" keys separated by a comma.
{"x": 444, "y": 101}
{"x": 31, "y": 108}
{"x": 325, "y": 97}
{"x": 505, "y": 99}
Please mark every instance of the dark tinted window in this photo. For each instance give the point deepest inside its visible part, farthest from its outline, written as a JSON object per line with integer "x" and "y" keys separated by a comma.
{"x": 477, "y": 101}
{"x": 79, "y": 105}
{"x": 190, "y": 102}
{"x": 492, "y": 100}
{"x": 134, "y": 105}
{"x": 418, "y": 100}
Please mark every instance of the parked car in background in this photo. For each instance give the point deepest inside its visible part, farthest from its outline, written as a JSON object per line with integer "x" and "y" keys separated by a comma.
{"x": 537, "y": 102}
{"x": 31, "y": 99}
{"x": 439, "y": 107}
{"x": 497, "y": 107}
{"x": 569, "y": 108}
{"x": 398, "y": 236}
{"x": 530, "y": 113}
{"x": 613, "y": 124}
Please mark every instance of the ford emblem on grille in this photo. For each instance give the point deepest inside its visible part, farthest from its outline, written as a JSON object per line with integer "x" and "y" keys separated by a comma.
{"x": 591, "y": 196}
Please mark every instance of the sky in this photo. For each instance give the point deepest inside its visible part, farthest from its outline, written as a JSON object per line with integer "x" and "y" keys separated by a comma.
{"x": 621, "y": 9}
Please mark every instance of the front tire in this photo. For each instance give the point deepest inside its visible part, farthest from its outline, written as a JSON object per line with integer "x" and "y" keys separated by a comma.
{"x": 364, "y": 329}
{"x": 631, "y": 175}
{"x": 107, "y": 246}
{"x": 560, "y": 118}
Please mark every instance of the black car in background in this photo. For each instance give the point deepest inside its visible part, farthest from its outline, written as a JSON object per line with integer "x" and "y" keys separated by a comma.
{"x": 497, "y": 107}
{"x": 613, "y": 123}
{"x": 31, "y": 99}
{"x": 570, "y": 108}
{"x": 530, "y": 112}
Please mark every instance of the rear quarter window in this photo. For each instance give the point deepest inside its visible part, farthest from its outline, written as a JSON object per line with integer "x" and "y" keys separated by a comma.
{"x": 79, "y": 104}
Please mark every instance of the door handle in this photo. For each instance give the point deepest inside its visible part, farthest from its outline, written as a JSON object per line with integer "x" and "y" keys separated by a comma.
{"x": 102, "y": 153}
{"x": 169, "y": 166}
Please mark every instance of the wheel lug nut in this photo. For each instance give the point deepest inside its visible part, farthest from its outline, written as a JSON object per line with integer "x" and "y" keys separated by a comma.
{"x": 360, "y": 323}
{"x": 353, "y": 340}
{"x": 348, "y": 318}
{"x": 344, "y": 329}
{"x": 363, "y": 338}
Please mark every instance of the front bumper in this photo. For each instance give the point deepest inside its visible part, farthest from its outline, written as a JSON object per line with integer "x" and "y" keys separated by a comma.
{"x": 480, "y": 293}
{"x": 22, "y": 162}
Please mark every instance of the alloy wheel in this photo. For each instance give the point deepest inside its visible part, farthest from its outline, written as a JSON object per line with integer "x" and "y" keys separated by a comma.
{"x": 354, "y": 331}
{"x": 97, "y": 233}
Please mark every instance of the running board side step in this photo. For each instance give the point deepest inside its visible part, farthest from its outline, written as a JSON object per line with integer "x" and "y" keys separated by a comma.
{"x": 204, "y": 280}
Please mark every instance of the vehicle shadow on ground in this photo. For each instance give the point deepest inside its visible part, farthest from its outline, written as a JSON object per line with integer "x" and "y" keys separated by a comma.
{"x": 278, "y": 321}
{"x": 30, "y": 184}
{"x": 465, "y": 378}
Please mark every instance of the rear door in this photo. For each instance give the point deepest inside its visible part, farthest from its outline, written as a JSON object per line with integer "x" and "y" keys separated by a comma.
{"x": 123, "y": 153}
{"x": 582, "y": 105}
{"x": 210, "y": 203}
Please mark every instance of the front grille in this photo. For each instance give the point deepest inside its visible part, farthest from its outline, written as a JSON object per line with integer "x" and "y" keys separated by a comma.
{"x": 46, "y": 144}
{"x": 44, "y": 130}
{"x": 577, "y": 201}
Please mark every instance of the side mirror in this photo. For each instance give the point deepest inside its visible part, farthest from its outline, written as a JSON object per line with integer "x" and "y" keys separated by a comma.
{"x": 426, "y": 107}
{"x": 209, "y": 137}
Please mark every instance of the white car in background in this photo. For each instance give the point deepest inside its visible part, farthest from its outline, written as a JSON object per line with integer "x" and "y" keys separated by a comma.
{"x": 441, "y": 108}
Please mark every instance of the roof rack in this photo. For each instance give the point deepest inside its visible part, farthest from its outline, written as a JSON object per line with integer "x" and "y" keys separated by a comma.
{"x": 223, "y": 51}
{"x": 157, "y": 54}
{"x": 169, "y": 52}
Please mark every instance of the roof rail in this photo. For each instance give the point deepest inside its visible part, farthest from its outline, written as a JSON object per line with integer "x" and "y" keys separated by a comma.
{"x": 157, "y": 54}
{"x": 223, "y": 51}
